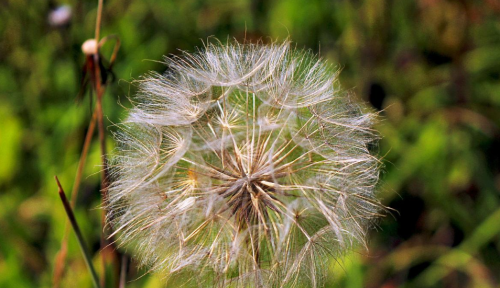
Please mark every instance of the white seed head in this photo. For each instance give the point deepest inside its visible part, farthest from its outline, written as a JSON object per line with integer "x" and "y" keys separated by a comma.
{"x": 243, "y": 165}
{"x": 89, "y": 47}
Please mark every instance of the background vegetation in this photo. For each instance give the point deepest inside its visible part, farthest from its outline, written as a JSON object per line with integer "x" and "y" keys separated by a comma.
{"x": 431, "y": 66}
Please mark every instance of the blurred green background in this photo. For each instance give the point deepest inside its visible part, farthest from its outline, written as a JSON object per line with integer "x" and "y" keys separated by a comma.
{"x": 431, "y": 66}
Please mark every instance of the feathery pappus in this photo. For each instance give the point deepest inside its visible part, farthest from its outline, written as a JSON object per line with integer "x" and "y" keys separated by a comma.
{"x": 244, "y": 165}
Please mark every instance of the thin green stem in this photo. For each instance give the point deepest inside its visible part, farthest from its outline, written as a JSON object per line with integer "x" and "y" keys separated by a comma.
{"x": 61, "y": 258}
{"x": 76, "y": 228}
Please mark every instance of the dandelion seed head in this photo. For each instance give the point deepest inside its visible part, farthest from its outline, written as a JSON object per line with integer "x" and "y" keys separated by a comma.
{"x": 245, "y": 165}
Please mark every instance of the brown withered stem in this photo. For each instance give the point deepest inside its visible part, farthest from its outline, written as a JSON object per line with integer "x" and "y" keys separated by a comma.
{"x": 102, "y": 140}
{"x": 99, "y": 86}
{"x": 123, "y": 271}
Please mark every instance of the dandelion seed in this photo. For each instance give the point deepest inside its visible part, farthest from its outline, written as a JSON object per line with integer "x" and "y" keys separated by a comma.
{"x": 243, "y": 165}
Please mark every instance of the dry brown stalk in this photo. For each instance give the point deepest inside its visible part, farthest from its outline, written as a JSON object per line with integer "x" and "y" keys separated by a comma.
{"x": 93, "y": 66}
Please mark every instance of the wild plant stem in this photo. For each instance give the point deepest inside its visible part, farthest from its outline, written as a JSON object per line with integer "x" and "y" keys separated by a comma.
{"x": 98, "y": 21}
{"x": 102, "y": 143}
{"x": 123, "y": 272}
{"x": 96, "y": 117}
{"x": 83, "y": 159}
{"x": 61, "y": 260}
{"x": 76, "y": 228}
{"x": 102, "y": 138}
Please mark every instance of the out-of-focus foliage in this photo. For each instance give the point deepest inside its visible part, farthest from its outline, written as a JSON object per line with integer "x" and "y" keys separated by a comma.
{"x": 431, "y": 67}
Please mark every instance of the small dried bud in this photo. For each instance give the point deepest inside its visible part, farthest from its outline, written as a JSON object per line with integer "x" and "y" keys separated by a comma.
{"x": 89, "y": 47}
{"x": 243, "y": 165}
